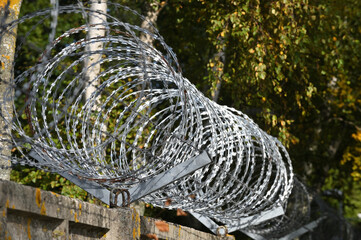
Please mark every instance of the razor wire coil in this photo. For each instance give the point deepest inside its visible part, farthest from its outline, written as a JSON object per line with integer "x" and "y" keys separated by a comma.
{"x": 142, "y": 118}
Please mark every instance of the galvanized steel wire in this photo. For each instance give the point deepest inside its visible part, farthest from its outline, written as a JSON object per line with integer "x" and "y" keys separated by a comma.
{"x": 142, "y": 119}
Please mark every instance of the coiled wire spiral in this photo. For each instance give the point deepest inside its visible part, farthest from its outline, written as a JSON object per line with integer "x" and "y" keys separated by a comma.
{"x": 142, "y": 118}
{"x": 297, "y": 215}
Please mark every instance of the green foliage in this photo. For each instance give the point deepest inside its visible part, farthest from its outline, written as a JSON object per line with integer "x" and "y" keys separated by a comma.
{"x": 292, "y": 66}
{"x": 47, "y": 181}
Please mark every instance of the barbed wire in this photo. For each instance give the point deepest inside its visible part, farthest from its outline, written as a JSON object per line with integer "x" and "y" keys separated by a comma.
{"x": 297, "y": 215}
{"x": 141, "y": 117}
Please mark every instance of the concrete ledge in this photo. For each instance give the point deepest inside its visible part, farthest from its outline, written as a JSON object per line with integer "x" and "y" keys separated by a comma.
{"x": 30, "y": 213}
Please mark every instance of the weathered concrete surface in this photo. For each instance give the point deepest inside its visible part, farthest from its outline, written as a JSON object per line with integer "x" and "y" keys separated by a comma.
{"x": 30, "y": 213}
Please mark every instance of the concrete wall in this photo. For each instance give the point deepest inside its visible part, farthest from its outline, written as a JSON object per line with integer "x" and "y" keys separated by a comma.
{"x": 30, "y": 213}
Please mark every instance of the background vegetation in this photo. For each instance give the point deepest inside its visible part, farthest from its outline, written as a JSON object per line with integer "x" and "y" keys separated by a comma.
{"x": 292, "y": 65}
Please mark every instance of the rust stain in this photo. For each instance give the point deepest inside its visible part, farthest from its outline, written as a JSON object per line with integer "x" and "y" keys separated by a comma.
{"x": 180, "y": 212}
{"x": 38, "y": 197}
{"x": 79, "y": 209}
{"x": 168, "y": 202}
{"x": 13, "y": 206}
{"x": 134, "y": 233}
{"x": 4, "y": 213}
{"x": 179, "y": 231}
{"x": 7, "y": 203}
{"x": 5, "y": 56}
{"x": 43, "y": 209}
{"x": 136, "y": 226}
{"x": 138, "y": 223}
{"x": 7, "y": 237}
{"x": 162, "y": 226}
{"x": 76, "y": 218}
{"x": 29, "y": 235}
{"x": 152, "y": 236}
{"x": 55, "y": 194}
{"x": 14, "y": 5}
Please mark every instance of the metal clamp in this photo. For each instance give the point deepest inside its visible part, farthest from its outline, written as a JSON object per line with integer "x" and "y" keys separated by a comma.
{"x": 125, "y": 199}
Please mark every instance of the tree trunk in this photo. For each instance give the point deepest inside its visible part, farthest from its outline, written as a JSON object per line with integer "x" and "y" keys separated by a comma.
{"x": 151, "y": 16}
{"x": 218, "y": 71}
{"x": 9, "y": 11}
{"x": 97, "y": 24}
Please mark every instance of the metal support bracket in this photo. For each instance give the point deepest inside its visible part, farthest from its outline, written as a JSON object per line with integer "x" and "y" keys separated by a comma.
{"x": 181, "y": 170}
{"x": 206, "y": 221}
{"x": 262, "y": 217}
{"x": 142, "y": 189}
{"x": 302, "y": 230}
{"x": 252, "y": 220}
{"x": 254, "y": 236}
